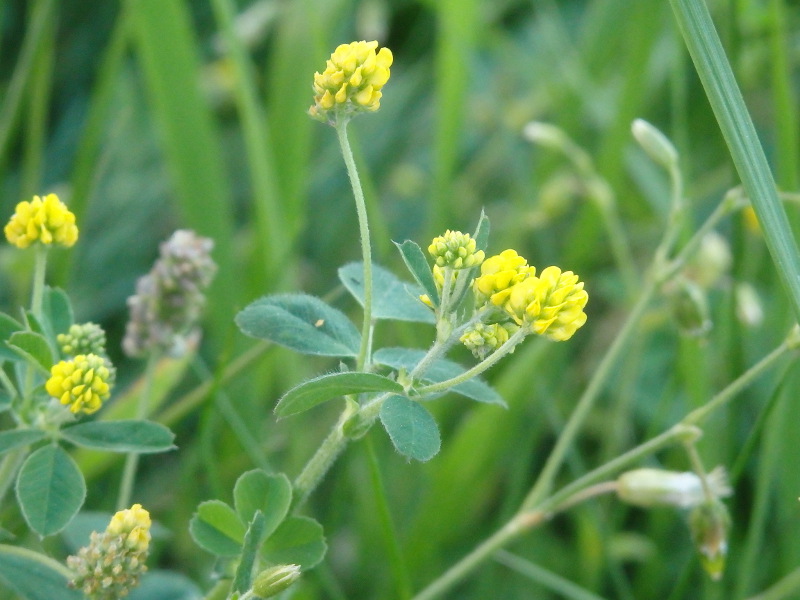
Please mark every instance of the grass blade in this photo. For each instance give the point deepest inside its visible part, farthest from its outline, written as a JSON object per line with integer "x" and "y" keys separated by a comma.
{"x": 740, "y": 135}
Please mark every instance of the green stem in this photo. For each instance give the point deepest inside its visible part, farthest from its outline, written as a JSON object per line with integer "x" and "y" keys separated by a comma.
{"x": 39, "y": 272}
{"x": 362, "y": 361}
{"x": 698, "y": 415}
{"x": 545, "y": 480}
{"x": 482, "y": 366}
{"x": 132, "y": 459}
{"x": 520, "y": 524}
{"x": 321, "y": 462}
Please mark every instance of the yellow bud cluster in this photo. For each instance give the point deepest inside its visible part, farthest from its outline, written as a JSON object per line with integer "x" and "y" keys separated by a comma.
{"x": 551, "y": 304}
{"x": 455, "y": 250}
{"x": 81, "y": 383}
{"x": 352, "y": 80}
{"x": 113, "y": 562}
{"x": 47, "y": 221}
{"x": 485, "y": 338}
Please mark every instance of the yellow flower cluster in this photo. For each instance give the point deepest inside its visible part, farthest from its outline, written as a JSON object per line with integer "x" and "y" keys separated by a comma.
{"x": 551, "y": 304}
{"x": 455, "y": 250}
{"x": 498, "y": 275}
{"x": 45, "y": 220}
{"x": 113, "y": 562}
{"x": 81, "y": 383}
{"x": 351, "y": 81}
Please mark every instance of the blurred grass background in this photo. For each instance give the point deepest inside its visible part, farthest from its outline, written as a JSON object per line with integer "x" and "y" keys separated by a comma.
{"x": 149, "y": 115}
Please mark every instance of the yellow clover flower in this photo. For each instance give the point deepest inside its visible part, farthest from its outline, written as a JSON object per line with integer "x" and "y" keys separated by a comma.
{"x": 352, "y": 80}
{"x": 45, "y": 220}
{"x": 81, "y": 383}
{"x": 499, "y": 274}
{"x": 551, "y": 304}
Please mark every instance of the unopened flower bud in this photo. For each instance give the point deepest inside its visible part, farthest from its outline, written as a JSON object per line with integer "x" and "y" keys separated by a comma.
{"x": 749, "y": 310}
{"x": 274, "y": 580}
{"x": 690, "y": 309}
{"x": 709, "y": 523}
{"x": 483, "y": 339}
{"x": 658, "y": 487}
{"x": 655, "y": 143}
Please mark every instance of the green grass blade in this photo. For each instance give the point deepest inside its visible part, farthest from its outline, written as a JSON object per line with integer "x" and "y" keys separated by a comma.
{"x": 268, "y": 212}
{"x": 168, "y": 54}
{"x": 23, "y": 72}
{"x": 740, "y": 135}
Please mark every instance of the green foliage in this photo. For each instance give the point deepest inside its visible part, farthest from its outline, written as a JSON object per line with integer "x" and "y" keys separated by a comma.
{"x": 32, "y": 347}
{"x": 14, "y": 438}
{"x": 392, "y": 299}
{"x": 440, "y": 370}
{"x": 418, "y": 266}
{"x": 300, "y": 322}
{"x": 333, "y": 385}
{"x": 141, "y": 437}
{"x": 35, "y": 576}
{"x": 217, "y": 528}
{"x": 50, "y": 490}
{"x": 259, "y": 491}
{"x": 413, "y": 431}
{"x": 8, "y": 327}
{"x": 258, "y": 525}
{"x": 299, "y": 541}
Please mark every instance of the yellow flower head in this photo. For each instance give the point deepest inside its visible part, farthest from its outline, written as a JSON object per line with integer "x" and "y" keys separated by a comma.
{"x": 352, "y": 80}
{"x": 498, "y": 274}
{"x": 456, "y": 250}
{"x": 45, "y": 220}
{"x": 551, "y": 304}
{"x": 81, "y": 383}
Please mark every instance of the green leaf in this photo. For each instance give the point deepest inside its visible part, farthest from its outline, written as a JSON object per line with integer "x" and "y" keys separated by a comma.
{"x": 302, "y": 323}
{"x": 7, "y": 327}
{"x": 165, "y": 585}
{"x": 253, "y": 538}
{"x": 216, "y": 527}
{"x": 440, "y": 370}
{"x": 57, "y": 307}
{"x": 419, "y": 268}
{"x": 333, "y": 385}
{"x": 391, "y": 298}
{"x": 50, "y": 490}
{"x": 413, "y": 431}
{"x": 142, "y": 437}
{"x": 19, "y": 437}
{"x": 259, "y": 491}
{"x": 299, "y": 541}
{"x": 35, "y": 576}
{"x": 32, "y": 347}
{"x": 481, "y": 235}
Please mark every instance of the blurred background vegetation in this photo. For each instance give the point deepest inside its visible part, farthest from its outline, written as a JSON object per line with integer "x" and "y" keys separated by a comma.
{"x": 150, "y": 115}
